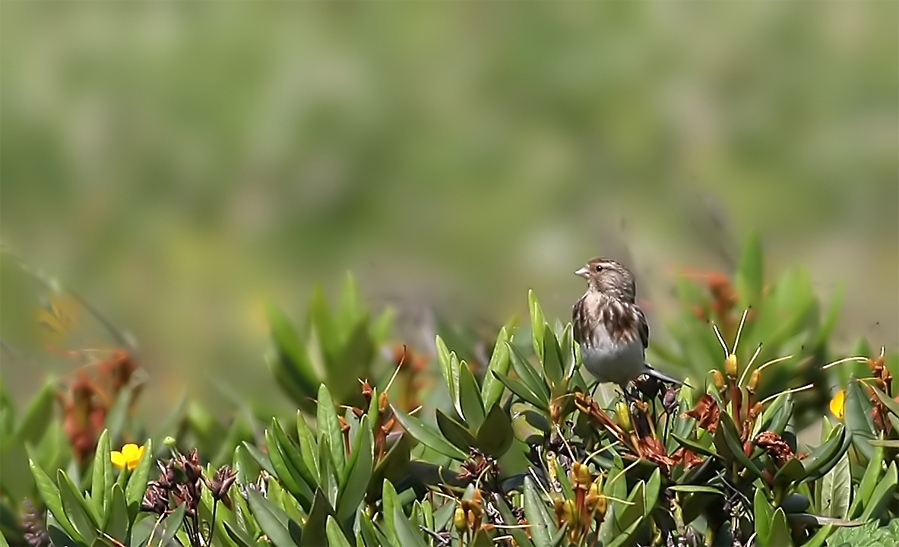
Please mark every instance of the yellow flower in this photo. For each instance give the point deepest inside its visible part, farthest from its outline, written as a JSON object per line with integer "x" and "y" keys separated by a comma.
{"x": 129, "y": 456}
{"x": 838, "y": 404}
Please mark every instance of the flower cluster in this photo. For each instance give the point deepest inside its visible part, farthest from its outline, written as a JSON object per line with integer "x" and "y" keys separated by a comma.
{"x": 180, "y": 482}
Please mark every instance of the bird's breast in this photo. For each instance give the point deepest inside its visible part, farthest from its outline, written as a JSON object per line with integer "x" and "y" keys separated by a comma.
{"x": 612, "y": 360}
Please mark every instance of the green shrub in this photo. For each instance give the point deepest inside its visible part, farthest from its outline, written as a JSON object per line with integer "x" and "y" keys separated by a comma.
{"x": 521, "y": 453}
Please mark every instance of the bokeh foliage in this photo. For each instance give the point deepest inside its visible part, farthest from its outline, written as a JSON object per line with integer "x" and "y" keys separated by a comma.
{"x": 181, "y": 162}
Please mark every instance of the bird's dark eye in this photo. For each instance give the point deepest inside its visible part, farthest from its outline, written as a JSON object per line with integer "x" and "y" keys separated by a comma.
{"x": 598, "y": 267}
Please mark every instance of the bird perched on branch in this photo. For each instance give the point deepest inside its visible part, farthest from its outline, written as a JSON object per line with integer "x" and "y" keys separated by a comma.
{"x": 610, "y": 327}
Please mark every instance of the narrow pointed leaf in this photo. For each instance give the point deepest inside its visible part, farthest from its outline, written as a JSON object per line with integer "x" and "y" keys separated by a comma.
{"x": 552, "y": 356}
{"x": 780, "y": 533}
{"x": 523, "y": 392}
{"x": 77, "y": 508}
{"x": 137, "y": 480}
{"x": 314, "y": 533}
{"x": 51, "y": 497}
{"x": 272, "y": 520}
{"x": 470, "y": 397}
{"x": 169, "y": 527}
{"x": 335, "y": 534}
{"x": 537, "y": 322}
{"x": 492, "y": 389}
{"x": 359, "y": 471}
{"x": 329, "y": 428}
{"x": 535, "y": 511}
{"x": 308, "y": 446}
{"x": 38, "y": 416}
{"x": 426, "y": 435}
{"x": 444, "y": 358}
{"x": 869, "y": 481}
{"x": 495, "y": 435}
{"x": 289, "y": 359}
{"x": 117, "y": 521}
{"x": 101, "y": 480}
{"x": 391, "y": 504}
{"x": 455, "y": 432}
{"x": 406, "y": 534}
{"x": 528, "y": 374}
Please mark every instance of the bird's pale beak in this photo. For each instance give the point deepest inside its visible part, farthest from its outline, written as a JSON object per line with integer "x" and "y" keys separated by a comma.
{"x": 582, "y": 272}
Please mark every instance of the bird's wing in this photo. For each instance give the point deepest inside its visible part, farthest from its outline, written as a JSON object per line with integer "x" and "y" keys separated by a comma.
{"x": 577, "y": 320}
{"x": 643, "y": 326}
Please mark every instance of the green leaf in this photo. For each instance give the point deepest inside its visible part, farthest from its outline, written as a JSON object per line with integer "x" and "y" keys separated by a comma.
{"x": 101, "y": 480}
{"x": 551, "y": 356}
{"x": 238, "y": 536}
{"x": 77, "y": 508}
{"x": 372, "y": 535}
{"x": 470, "y": 397}
{"x": 335, "y": 534}
{"x": 171, "y": 524}
{"x": 779, "y": 533}
{"x": 426, "y": 435}
{"x": 449, "y": 369}
{"x": 314, "y": 533}
{"x": 726, "y": 434}
{"x": 791, "y": 472}
{"x": 869, "y": 481}
{"x": 272, "y": 520}
{"x": 350, "y": 308}
{"x": 778, "y": 414}
{"x": 329, "y": 428}
{"x": 527, "y": 374}
{"x": 137, "y": 480}
{"x": 763, "y": 512}
{"x": 749, "y": 277}
{"x": 406, "y": 535}
{"x": 38, "y": 416}
{"x": 455, "y": 432}
{"x": 263, "y": 460}
{"x": 352, "y": 361}
{"x": 627, "y": 537}
{"x": 323, "y": 324}
{"x": 521, "y": 538}
{"x": 117, "y": 521}
{"x": 289, "y": 359}
{"x": 695, "y": 446}
{"x": 329, "y": 483}
{"x": 635, "y": 509}
{"x": 887, "y": 401}
{"x": 492, "y": 390}
{"x": 293, "y": 458}
{"x": 523, "y": 392}
{"x": 391, "y": 504}
{"x": 535, "y": 511}
{"x": 857, "y": 416}
{"x": 537, "y": 322}
{"x": 835, "y": 490}
{"x": 495, "y": 435}
{"x": 50, "y": 496}
{"x": 308, "y": 446}
{"x": 289, "y": 476}
{"x": 882, "y": 494}
{"x": 355, "y": 481}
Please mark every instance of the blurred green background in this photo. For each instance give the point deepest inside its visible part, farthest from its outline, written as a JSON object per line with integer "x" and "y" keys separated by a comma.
{"x": 179, "y": 163}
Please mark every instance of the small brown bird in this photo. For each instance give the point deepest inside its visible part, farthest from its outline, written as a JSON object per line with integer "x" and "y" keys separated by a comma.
{"x": 610, "y": 327}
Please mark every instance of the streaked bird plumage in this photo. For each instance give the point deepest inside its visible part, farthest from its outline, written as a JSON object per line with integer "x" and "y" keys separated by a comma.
{"x": 610, "y": 327}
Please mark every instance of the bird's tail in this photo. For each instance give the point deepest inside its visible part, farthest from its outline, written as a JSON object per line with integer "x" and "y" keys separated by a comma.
{"x": 661, "y": 376}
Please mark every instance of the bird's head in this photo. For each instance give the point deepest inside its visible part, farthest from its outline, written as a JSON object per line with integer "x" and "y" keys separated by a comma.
{"x": 609, "y": 277}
